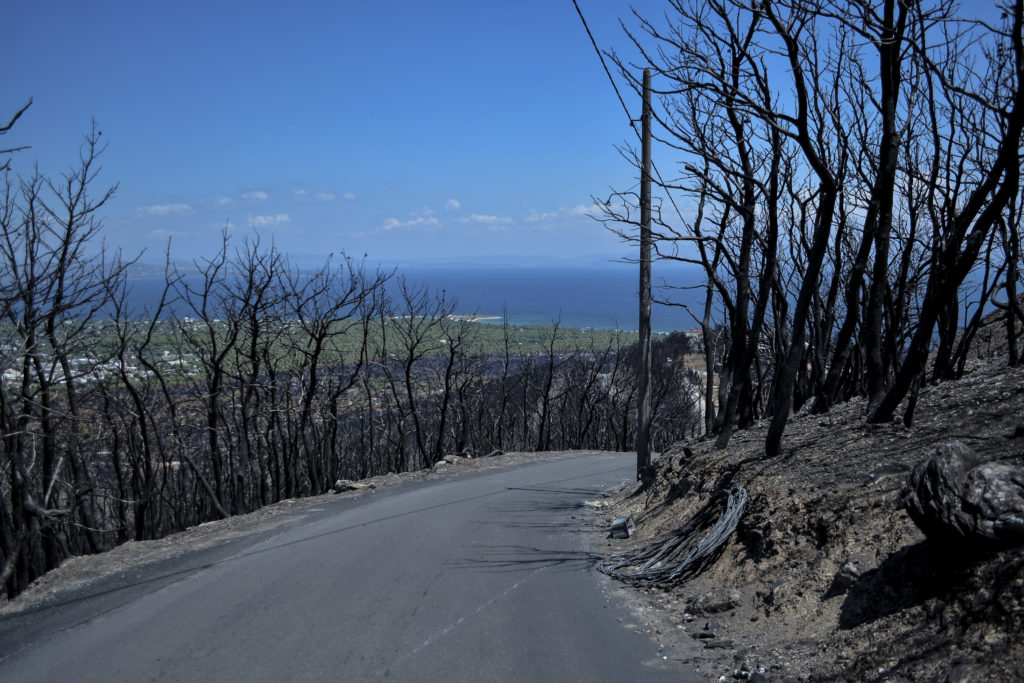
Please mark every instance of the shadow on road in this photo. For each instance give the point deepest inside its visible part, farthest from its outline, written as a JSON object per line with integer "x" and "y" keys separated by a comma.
{"x": 515, "y": 558}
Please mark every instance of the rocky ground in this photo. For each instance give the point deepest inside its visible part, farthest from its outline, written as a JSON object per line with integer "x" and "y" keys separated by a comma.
{"x": 826, "y": 577}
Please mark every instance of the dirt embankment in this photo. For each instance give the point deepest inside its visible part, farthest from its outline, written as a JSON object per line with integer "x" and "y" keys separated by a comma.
{"x": 826, "y": 577}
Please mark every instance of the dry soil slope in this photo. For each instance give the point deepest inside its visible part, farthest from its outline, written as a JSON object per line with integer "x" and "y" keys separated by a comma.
{"x": 904, "y": 608}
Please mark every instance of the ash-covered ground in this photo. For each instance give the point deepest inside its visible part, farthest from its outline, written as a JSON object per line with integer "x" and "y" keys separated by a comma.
{"x": 826, "y": 576}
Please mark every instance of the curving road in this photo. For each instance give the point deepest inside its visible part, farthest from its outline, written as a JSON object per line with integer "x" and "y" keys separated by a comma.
{"x": 483, "y": 577}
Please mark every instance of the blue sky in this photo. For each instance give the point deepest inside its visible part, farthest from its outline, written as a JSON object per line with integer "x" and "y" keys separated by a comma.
{"x": 464, "y": 131}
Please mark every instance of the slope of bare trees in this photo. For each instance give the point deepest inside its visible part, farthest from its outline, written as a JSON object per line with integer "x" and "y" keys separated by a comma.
{"x": 851, "y": 174}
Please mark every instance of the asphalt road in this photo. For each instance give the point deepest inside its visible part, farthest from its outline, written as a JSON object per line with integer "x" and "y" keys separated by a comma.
{"x": 484, "y": 577}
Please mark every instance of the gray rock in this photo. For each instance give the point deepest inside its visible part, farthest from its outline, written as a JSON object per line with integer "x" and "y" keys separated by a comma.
{"x": 960, "y": 673}
{"x": 623, "y": 527}
{"x": 718, "y": 645}
{"x": 851, "y": 571}
{"x": 954, "y": 497}
{"x": 716, "y": 600}
{"x": 781, "y": 592}
{"x": 345, "y": 485}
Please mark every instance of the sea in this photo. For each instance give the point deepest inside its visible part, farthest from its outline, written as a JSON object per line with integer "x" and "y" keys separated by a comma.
{"x": 598, "y": 296}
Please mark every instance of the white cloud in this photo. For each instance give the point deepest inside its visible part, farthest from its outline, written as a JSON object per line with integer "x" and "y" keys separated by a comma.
{"x": 303, "y": 195}
{"x": 534, "y": 217}
{"x": 419, "y": 221}
{"x": 164, "y": 234}
{"x": 488, "y": 220}
{"x": 581, "y": 210}
{"x": 256, "y": 195}
{"x": 224, "y": 201}
{"x": 166, "y": 210}
{"x": 453, "y": 205}
{"x": 572, "y": 211}
{"x": 269, "y": 221}
{"x": 349, "y": 196}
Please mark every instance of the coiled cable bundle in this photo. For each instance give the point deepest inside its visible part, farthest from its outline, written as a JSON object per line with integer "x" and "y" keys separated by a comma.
{"x": 685, "y": 552}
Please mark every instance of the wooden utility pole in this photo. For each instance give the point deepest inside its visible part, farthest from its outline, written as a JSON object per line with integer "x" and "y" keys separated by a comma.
{"x": 643, "y": 418}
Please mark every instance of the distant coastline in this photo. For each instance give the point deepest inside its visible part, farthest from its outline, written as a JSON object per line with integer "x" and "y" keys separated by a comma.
{"x": 473, "y": 318}
{"x": 597, "y": 296}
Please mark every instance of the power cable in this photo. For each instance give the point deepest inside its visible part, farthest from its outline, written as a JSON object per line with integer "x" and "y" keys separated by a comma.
{"x": 632, "y": 122}
{"x": 684, "y": 553}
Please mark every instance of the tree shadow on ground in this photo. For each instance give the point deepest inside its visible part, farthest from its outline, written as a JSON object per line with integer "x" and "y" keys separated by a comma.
{"x": 905, "y": 579}
{"x": 514, "y": 558}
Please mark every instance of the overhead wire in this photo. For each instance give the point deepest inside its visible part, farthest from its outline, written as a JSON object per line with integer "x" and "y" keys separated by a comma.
{"x": 632, "y": 121}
